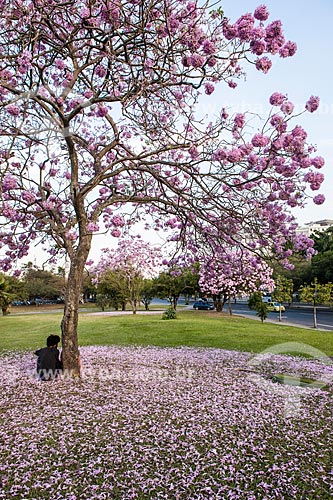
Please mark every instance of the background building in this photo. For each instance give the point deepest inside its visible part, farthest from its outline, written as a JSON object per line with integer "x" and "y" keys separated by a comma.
{"x": 311, "y": 227}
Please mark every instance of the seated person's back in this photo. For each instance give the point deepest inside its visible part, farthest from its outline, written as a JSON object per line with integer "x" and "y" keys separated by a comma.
{"x": 48, "y": 361}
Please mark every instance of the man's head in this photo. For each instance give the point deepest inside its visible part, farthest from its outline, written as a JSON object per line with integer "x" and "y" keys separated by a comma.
{"x": 52, "y": 340}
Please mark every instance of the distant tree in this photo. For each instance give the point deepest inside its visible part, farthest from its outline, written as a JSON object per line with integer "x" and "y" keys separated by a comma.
{"x": 6, "y": 297}
{"x": 175, "y": 282}
{"x": 322, "y": 262}
{"x": 316, "y": 293}
{"x": 102, "y": 301}
{"x": 255, "y": 303}
{"x": 148, "y": 292}
{"x": 323, "y": 240}
{"x": 88, "y": 287}
{"x": 43, "y": 284}
{"x": 299, "y": 270}
{"x": 126, "y": 268}
{"x": 234, "y": 271}
{"x": 112, "y": 289}
{"x": 322, "y": 266}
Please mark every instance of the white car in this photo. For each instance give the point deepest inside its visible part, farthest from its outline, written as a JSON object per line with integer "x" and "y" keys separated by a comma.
{"x": 275, "y": 306}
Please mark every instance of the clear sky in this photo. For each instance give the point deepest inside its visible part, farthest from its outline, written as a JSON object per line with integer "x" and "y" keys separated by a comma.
{"x": 309, "y": 72}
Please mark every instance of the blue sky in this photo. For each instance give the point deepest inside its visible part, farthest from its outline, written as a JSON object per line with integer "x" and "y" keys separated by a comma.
{"x": 309, "y": 72}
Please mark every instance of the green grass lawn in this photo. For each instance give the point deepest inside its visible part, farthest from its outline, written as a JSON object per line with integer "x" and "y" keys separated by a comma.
{"x": 191, "y": 328}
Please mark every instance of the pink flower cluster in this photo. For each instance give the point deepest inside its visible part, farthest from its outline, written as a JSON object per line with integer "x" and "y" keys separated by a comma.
{"x": 234, "y": 271}
{"x": 269, "y": 39}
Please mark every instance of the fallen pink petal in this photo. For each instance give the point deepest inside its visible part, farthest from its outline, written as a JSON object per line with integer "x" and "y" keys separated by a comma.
{"x": 166, "y": 423}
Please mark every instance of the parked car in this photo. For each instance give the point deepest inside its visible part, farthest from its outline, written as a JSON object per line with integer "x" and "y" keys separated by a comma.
{"x": 203, "y": 305}
{"x": 275, "y": 306}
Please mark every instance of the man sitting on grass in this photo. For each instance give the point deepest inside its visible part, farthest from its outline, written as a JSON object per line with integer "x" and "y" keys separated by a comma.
{"x": 48, "y": 362}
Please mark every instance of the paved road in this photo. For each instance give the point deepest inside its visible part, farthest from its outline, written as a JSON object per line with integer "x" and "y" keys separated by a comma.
{"x": 302, "y": 316}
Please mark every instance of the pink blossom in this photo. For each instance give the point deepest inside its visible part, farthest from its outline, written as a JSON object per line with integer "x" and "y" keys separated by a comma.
{"x": 318, "y": 162}
{"x": 88, "y": 93}
{"x": 211, "y": 62}
{"x": 246, "y": 148}
{"x": 277, "y": 99}
{"x": 24, "y": 61}
{"x": 288, "y": 50}
{"x": 92, "y": 227}
{"x": 102, "y": 111}
{"x": 100, "y": 70}
{"x": 59, "y": 64}
{"x": 287, "y": 107}
{"x": 259, "y": 140}
{"x": 244, "y": 26}
{"x": 28, "y": 196}
{"x": 193, "y": 151}
{"x": 312, "y": 104}
{"x": 48, "y": 205}
{"x": 239, "y": 120}
{"x": 319, "y": 199}
{"x": 261, "y": 13}
{"x": 315, "y": 179}
{"x": 274, "y": 36}
{"x": 85, "y": 12}
{"x": 186, "y": 61}
{"x": 118, "y": 221}
{"x": 191, "y": 6}
{"x": 263, "y": 64}
{"x": 208, "y": 47}
{"x": 197, "y": 60}
{"x": 235, "y": 155}
{"x": 115, "y": 233}
{"x": 278, "y": 122}
{"x": 230, "y": 31}
{"x": 209, "y": 88}
{"x": 9, "y": 182}
{"x": 224, "y": 114}
{"x": 219, "y": 155}
{"x": 232, "y": 84}
{"x": 258, "y": 47}
{"x": 13, "y": 109}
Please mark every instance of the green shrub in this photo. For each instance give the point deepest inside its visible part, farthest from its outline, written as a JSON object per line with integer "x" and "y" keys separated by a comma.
{"x": 170, "y": 313}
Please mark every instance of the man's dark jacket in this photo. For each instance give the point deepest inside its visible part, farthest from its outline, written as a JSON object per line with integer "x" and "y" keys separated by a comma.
{"x": 48, "y": 362}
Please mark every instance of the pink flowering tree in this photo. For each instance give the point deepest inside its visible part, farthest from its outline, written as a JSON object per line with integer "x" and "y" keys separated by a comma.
{"x": 130, "y": 263}
{"x": 99, "y": 130}
{"x": 234, "y": 272}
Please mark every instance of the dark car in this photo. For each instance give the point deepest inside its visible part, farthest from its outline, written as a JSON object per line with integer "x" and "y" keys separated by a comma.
{"x": 203, "y": 305}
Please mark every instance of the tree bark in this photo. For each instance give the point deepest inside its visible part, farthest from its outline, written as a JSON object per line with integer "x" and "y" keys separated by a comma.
{"x": 69, "y": 323}
{"x": 230, "y": 306}
{"x": 314, "y": 316}
{"x": 5, "y": 310}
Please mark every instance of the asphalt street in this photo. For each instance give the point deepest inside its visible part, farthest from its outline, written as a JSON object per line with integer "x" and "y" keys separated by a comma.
{"x": 296, "y": 314}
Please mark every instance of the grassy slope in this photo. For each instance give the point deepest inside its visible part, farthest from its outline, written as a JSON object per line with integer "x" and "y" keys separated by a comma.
{"x": 192, "y": 328}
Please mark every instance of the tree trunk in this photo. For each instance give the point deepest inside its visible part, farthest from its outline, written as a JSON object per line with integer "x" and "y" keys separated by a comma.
{"x": 69, "y": 323}
{"x": 230, "y": 306}
{"x": 5, "y": 310}
{"x": 314, "y": 316}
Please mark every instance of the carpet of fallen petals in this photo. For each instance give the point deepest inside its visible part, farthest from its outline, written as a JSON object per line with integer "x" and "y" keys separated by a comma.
{"x": 163, "y": 423}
